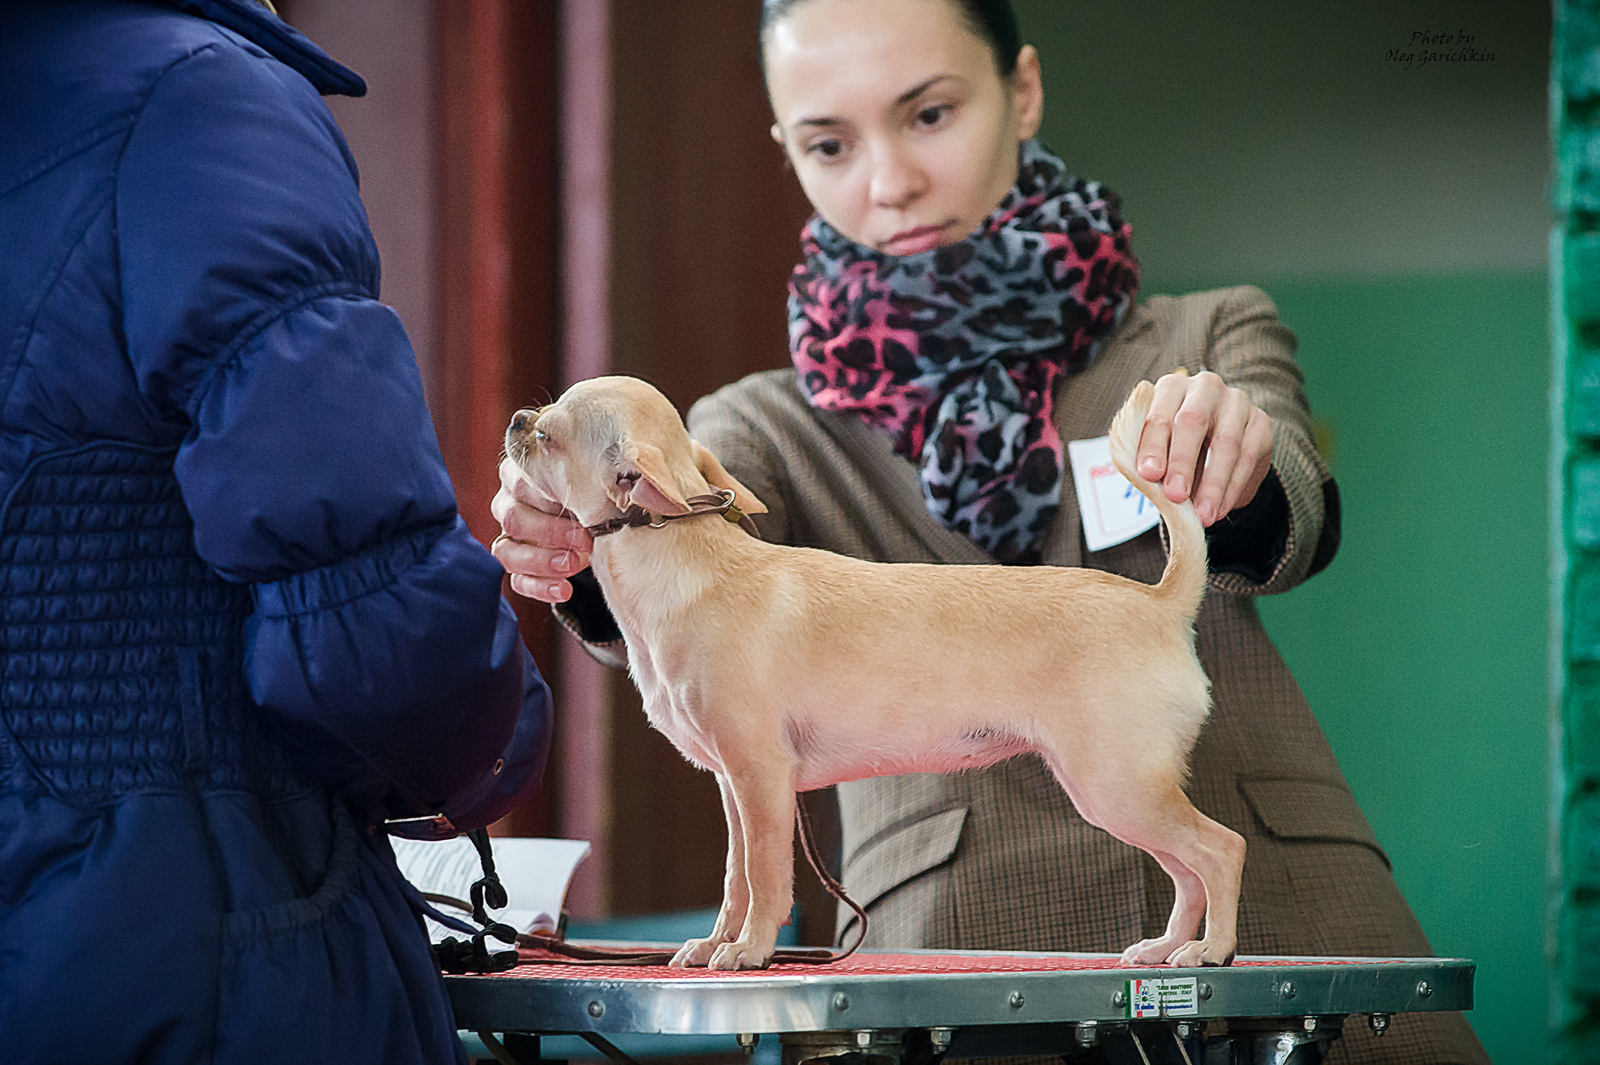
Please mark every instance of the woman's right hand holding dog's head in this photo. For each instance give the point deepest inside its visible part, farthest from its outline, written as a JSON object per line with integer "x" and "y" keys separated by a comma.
{"x": 539, "y": 548}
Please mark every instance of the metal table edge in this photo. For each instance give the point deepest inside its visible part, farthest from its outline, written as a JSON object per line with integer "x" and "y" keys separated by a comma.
{"x": 834, "y": 999}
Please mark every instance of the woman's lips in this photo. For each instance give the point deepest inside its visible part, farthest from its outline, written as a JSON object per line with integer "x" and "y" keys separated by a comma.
{"x": 912, "y": 241}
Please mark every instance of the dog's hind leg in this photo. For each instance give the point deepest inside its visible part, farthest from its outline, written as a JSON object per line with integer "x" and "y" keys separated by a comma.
{"x": 1187, "y": 911}
{"x": 765, "y": 800}
{"x": 1196, "y": 852}
{"x": 1140, "y": 802}
{"x": 735, "y": 889}
{"x": 1215, "y": 854}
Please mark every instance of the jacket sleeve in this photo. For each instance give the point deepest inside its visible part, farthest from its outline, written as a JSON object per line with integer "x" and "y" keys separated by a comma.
{"x": 1298, "y": 508}
{"x": 381, "y": 651}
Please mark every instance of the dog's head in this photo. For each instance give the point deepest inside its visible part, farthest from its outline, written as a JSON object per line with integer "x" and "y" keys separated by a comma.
{"x": 610, "y": 443}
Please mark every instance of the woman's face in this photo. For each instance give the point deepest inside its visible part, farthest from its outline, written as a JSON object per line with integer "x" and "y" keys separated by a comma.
{"x": 902, "y": 133}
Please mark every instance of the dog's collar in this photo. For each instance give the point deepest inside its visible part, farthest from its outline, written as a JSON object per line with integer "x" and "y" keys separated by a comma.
{"x": 638, "y": 517}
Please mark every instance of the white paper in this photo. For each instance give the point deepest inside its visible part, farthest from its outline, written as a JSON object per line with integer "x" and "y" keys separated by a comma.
{"x": 1113, "y": 510}
{"x": 534, "y": 872}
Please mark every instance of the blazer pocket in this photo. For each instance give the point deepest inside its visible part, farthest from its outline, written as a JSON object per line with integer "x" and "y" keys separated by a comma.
{"x": 892, "y": 858}
{"x": 1309, "y": 810}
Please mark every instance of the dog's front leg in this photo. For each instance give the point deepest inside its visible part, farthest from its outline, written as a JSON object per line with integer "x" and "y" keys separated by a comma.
{"x": 735, "y": 889}
{"x": 764, "y": 796}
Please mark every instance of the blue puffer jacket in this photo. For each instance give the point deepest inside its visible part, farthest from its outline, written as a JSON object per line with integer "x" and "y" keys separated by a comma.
{"x": 240, "y": 620}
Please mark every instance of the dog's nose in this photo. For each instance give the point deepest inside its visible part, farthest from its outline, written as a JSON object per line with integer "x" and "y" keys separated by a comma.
{"x": 521, "y": 420}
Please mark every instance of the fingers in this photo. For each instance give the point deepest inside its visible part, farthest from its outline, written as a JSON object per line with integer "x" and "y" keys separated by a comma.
{"x": 1205, "y": 441}
{"x": 544, "y": 591}
{"x": 1176, "y": 428}
{"x": 541, "y": 572}
{"x": 1153, "y": 442}
{"x": 539, "y": 549}
{"x": 1238, "y": 455}
{"x": 1255, "y": 459}
{"x": 1224, "y": 446}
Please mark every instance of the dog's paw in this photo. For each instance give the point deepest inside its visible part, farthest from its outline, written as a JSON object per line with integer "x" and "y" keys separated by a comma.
{"x": 695, "y": 953}
{"x": 1147, "y": 952}
{"x": 1200, "y": 953}
{"x": 740, "y": 954}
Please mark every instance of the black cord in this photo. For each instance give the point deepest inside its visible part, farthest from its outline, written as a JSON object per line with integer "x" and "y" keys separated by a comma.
{"x": 473, "y": 956}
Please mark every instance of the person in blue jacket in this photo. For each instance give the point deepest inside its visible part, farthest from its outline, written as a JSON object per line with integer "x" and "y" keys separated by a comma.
{"x": 241, "y": 623}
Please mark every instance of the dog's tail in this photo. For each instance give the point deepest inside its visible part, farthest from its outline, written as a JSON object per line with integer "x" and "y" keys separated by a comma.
{"x": 1185, "y": 576}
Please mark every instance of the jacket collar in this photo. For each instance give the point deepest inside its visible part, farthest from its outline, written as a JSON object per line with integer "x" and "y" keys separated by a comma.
{"x": 283, "y": 42}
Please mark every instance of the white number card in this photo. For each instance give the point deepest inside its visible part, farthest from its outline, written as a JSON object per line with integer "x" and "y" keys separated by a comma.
{"x": 1113, "y": 510}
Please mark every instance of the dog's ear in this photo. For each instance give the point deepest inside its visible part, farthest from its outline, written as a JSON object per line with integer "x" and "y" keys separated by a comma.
{"x": 640, "y": 479}
{"x": 717, "y": 477}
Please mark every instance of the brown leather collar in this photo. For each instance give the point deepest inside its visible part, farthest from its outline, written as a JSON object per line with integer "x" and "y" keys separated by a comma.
{"x": 638, "y": 517}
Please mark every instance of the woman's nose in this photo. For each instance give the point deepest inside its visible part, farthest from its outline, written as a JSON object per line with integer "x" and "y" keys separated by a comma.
{"x": 897, "y": 180}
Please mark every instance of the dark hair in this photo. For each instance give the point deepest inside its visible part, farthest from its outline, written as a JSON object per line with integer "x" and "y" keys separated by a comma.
{"x": 992, "y": 20}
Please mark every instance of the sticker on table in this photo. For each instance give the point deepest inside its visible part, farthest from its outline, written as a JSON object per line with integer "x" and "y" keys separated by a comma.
{"x": 1113, "y": 510}
{"x": 1178, "y": 997}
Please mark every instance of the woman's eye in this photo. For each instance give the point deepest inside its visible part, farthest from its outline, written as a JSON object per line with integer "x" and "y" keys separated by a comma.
{"x": 830, "y": 148}
{"x": 932, "y": 116}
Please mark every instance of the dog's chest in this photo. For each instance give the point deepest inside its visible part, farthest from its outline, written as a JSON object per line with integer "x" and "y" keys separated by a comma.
{"x": 668, "y": 713}
{"x": 673, "y": 722}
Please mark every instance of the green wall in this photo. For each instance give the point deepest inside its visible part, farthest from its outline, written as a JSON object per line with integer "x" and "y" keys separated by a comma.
{"x": 1400, "y": 220}
{"x": 1423, "y": 648}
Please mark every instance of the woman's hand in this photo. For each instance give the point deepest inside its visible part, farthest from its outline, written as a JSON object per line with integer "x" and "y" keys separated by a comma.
{"x": 538, "y": 547}
{"x": 1200, "y": 429}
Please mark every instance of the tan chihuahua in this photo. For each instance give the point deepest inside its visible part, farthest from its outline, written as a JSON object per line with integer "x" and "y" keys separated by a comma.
{"x": 750, "y": 659}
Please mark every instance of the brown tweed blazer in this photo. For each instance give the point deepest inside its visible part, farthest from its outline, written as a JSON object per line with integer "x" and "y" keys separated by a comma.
{"x": 998, "y": 858}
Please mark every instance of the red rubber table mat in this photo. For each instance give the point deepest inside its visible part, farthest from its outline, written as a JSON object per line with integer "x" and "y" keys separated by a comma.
{"x": 538, "y": 964}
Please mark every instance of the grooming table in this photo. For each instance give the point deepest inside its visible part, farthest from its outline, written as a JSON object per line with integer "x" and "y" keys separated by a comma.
{"x": 916, "y": 1007}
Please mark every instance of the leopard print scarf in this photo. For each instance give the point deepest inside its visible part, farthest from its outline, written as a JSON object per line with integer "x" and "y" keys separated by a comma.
{"x": 956, "y": 351}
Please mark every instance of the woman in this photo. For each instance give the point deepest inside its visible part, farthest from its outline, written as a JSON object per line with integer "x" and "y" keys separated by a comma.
{"x": 963, "y": 308}
{"x": 244, "y": 625}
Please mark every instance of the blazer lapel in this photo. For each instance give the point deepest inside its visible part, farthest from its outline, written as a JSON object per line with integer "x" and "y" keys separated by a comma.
{"x": 1085, "y": 405}
{"x": 898, "y": 490}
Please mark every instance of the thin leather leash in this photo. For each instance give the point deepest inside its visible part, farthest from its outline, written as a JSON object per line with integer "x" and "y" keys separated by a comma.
{"x": 808, "y": 844}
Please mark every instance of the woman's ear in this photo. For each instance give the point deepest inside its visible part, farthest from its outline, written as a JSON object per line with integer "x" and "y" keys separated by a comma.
{"x": 1027, "y": 88}
{"x": 777, "y": 138}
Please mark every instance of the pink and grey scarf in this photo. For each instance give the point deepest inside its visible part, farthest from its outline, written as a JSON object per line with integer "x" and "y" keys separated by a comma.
{"x": 956, "y": 351}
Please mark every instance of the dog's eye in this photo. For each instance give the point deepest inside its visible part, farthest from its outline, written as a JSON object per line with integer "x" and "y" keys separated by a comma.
{"x": 541, "y": 436}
